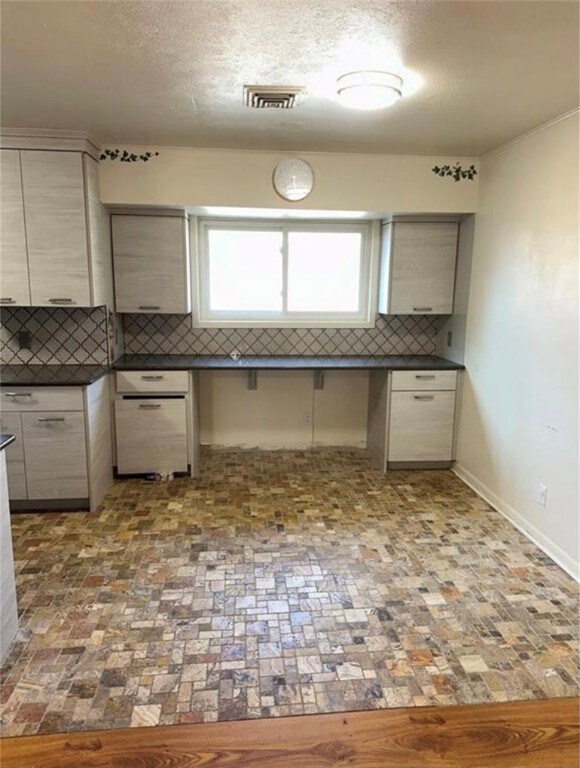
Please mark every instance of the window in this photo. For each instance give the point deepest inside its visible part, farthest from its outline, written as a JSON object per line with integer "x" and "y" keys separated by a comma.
{"x": 285, "y": 273}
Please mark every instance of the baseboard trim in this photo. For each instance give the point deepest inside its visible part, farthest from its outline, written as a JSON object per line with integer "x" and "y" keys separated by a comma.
{"x": 530, "y": 531}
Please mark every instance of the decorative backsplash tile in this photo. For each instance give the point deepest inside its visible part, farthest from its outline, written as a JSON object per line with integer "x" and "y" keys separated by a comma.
{"x": 174, "y": 335}
{"x": 59, "y": 335}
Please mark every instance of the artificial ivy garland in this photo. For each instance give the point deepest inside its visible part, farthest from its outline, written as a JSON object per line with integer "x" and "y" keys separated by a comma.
{"x": 457, "y": 172}
{"x": 126, "y": 157}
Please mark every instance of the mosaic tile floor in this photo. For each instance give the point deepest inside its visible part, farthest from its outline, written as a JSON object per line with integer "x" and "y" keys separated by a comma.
{"x": 280, "y": 583}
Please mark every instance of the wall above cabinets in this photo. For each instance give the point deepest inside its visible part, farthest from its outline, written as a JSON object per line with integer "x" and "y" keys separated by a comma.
{"x": 54, "y": 230}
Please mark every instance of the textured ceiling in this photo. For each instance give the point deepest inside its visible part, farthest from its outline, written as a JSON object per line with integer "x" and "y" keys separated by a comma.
{"x": 172, "y": 73}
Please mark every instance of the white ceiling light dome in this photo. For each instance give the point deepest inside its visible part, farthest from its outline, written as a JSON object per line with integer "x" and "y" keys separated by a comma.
{"x": 369, "y": 89}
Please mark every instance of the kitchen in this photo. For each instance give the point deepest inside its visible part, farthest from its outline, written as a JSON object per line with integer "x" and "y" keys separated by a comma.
{"x": 282, "y": 446}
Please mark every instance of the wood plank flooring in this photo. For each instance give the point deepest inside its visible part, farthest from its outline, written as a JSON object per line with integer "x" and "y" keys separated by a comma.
{"x": 531, "y": 734}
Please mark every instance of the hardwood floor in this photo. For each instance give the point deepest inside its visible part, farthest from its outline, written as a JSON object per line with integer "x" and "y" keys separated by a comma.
{"x": 531, "y": 734}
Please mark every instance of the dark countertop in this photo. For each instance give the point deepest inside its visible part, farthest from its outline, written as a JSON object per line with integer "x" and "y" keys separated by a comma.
{"x": 202, "y": 362}
{"x": 5, "y": 440}
{"x": 51, "y": 375}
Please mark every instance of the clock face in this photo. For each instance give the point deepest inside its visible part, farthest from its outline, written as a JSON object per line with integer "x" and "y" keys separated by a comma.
{"x": 293, "y": 179}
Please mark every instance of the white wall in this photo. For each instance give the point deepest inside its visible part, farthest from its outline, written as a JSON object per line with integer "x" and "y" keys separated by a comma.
{"x": 376, "y": 184}
{"x": 519, "y": 417}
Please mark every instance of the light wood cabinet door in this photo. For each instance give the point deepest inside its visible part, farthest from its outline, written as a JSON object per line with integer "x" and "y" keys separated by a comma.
{"x": 151, "y": 264}
{"x": 14, "y": 287}
{"x": 422, "y": 268}
{"x": 11, "y": 423}
{"x": 56, "y": 455}
{"x": 151, "y": 435}
{"x": 421, "y": 426}
{"x": 56, "y": 228}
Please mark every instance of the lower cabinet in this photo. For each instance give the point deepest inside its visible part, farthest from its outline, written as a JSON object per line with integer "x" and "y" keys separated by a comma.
{"x": 412, "y": 418}
{"x": 421, "y": 427}
{"x": 156, "y": 422}
{"x": 151, "y": 435}
{"x": 55, "y": 454}
{"x": 15, "y": 467}
{"x": 62, "y": 455}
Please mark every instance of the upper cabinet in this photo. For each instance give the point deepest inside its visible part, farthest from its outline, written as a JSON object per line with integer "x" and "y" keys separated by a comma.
{"x": 15, "y": 288}
{"x": 418, "y": 268}
{"x": 55, "y": 240}
{"x": 151, "y": 263}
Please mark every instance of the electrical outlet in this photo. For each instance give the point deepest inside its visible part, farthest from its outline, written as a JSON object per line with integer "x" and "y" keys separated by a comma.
{"x": 308, "y": 417}
{"x": 542, "y": 495}
{"x": 24, "y": 339}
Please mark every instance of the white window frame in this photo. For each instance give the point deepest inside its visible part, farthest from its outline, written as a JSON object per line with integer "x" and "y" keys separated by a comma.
{"x": 368, "y": 285}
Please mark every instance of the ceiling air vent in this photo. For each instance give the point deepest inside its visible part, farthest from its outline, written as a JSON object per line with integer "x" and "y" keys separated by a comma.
{"x": 272, "y": 96}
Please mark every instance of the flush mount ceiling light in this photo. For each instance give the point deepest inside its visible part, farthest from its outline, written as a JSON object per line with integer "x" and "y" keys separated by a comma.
{"x": 369, "y": 89}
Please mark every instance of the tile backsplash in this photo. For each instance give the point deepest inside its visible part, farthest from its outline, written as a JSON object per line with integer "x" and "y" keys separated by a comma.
{"x": 76, "y": 336}
{"x": 174, "y": 335}
{"x": 59, "y": 335}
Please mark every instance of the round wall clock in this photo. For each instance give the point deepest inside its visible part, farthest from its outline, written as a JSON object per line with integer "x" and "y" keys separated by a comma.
{"x": 293, "y": 179}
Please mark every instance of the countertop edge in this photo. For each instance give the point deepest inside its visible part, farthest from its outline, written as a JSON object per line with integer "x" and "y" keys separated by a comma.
{"x": 159, "y": 362}
{"x": 6, "y": 439}
{"x": 36, "y": 379}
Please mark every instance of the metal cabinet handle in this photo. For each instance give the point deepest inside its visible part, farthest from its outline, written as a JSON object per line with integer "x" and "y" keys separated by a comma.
{"x": 61, "y": 301}
{"x": 422, "y": 309}
{"x": 7, "y": 301}
{"x": 150, "y": 406}
{"x": 152, "y": 378}
{"x": 53, "y": 418}
{"x": 424, "y": 376}
{"x": 146, "y": 306}
{"x": 17, "y": 394}
{"x": 424, "y": 397}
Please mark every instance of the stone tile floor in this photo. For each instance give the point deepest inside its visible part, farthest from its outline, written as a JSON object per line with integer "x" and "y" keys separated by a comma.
{"x": 280, "y": 583}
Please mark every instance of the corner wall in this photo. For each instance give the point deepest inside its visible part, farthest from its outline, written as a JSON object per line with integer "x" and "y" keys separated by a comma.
{"x": 519, "y": 416}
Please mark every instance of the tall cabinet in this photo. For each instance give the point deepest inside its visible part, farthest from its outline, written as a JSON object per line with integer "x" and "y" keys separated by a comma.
{"x": 54, "y": 239}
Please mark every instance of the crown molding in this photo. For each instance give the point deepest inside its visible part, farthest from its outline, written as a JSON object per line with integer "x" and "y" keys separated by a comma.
{"x": 528, "y": 134}
{"x": 49, "y": 139}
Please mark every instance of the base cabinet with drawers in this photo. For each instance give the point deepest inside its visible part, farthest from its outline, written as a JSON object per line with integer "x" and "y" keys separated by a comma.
{"x": 412, "y": 418}
{"x": 62, "y": 455}
{"x": 155, "y": 422}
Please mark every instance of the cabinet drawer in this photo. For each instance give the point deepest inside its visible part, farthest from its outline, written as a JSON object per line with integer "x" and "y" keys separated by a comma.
{"x": 15, "y": 399}
{"x": 11, "y": 422}
{"x": 152, "y": 381}
{"x": 55, "y": 454}
{"x": 151, "y": 435}
{"x": 421, "y": 380}
{"x": 421, "y": 426}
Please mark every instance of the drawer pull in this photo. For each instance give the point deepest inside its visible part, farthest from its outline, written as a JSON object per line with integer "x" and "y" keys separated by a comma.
{"x": 61, "y": 301}
{"x": 52, "y": 418}
{"x": 419, "y": 376}
{"x": 17, "y": 394}
{"x": 152, "y": 378}
{"x": 422, "y": 309}
{"x": 424, "y": 397}
{"x": 150, "y": 406}
{"x": 147, "y": 306}
{"x": 7, "y": 301}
